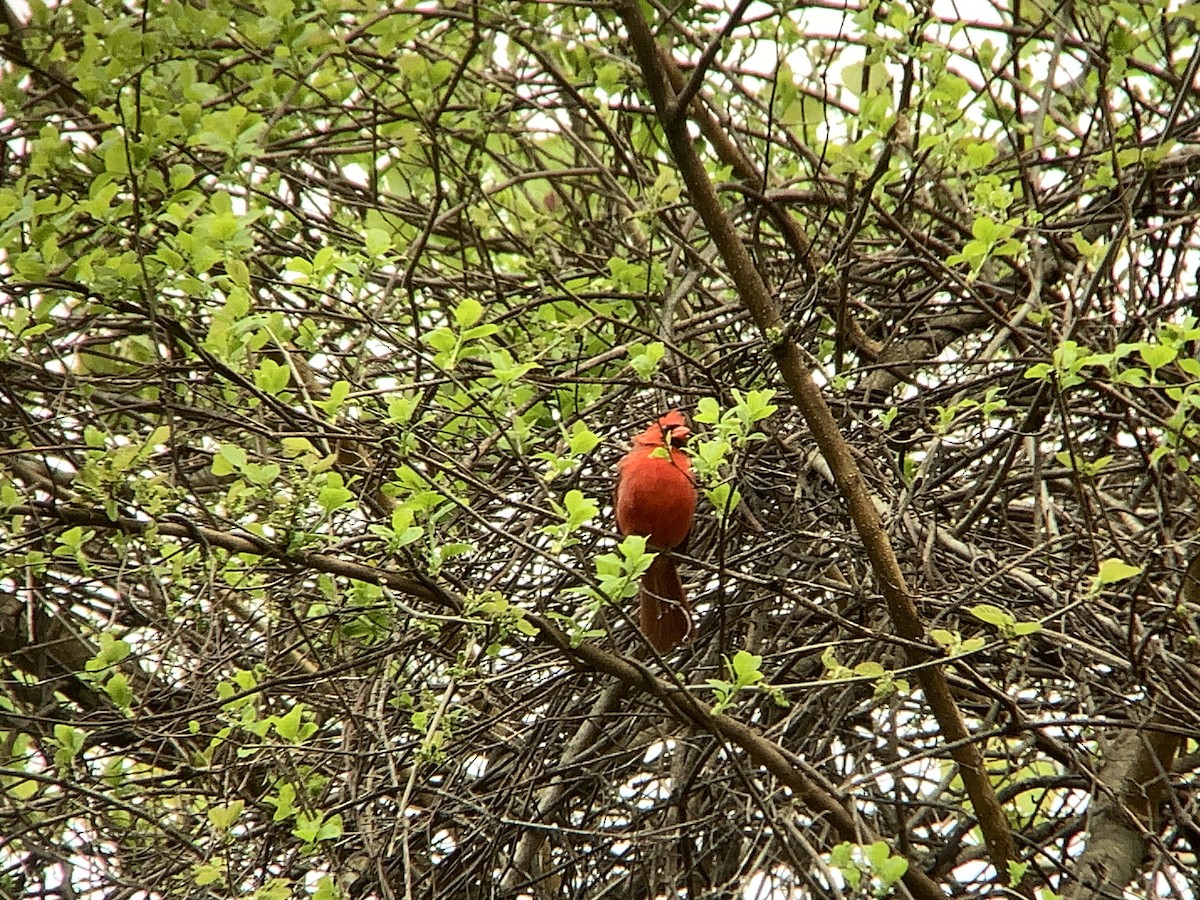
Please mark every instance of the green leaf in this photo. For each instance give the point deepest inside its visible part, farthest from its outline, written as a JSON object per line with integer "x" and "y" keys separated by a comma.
{"x": 327, "y": 889}
{"x": 479, "y": 331}
{"x": 225, "y": 817}
{"x": 834, "y": 668}
{"x": 724, "y": 499}
{"x": 284, "y": 803}
{"x": 645, "y": 359}
{"x": 580, "y": 509}
{"x": 979, "y": 154}
{"x": 746, "y": 667}
{"x": 314, "y": 827}
{"x": 339, "y": 391}
{"x": 70, "y": 740}
{"x": 1113, "y": 570}
{"x": 377, "y": 242}
{"x": 1039, "y": 370}
{"x": 1016, "y": 871}
{"x": 992, "y": 615}
{"x": 262, "y": 475}
{"x": 891, "y": 870}
{"x": 943, "y": 637}
{"x": 950, "y": 88}
{"x": 468, "y": 312}
{"x": 869, "y": 669}
{"x": 1086, "y": 248}
{"x": 1156, "y": 355}
{"x": 228, "y": 460}
{"x": 400, "y": 409}
{"x": 116, "y": 161}
{"x": 708, "y": 412}
{"x": 877, "y": 78}
{"x": 73, "y": 539}
{"x": 506, "y": 369}
{"x": 582, "y": 439}
{"x": 441, "y": 339}
{"x": 1134, "y": 377}
{"x": 525, "y": 627}
{"x": 331, "y": 828}
{"x": 204, "y": 874}
{"x": 290, "y": 726}
{"x": 118, "y": 689}
{"x": 334, "y": 494}
{"x": 271, "y": 377}
{"x": 275, "y": 889}
{"x": 758, "y": 405}
{"x": 876, "y": 854}
{"x": 112, "y": 651}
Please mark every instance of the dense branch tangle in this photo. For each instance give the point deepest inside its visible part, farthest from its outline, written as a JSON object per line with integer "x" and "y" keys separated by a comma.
{"x": 313, "y": 319}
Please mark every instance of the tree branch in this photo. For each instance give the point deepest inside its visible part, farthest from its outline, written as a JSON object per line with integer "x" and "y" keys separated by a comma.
{"x": 1120, "y": 821}
{"x": 758, "y": 301}
{"x": 234, "y": 543}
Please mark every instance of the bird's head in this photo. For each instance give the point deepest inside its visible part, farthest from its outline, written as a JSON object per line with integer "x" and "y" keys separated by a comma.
{"x": 673, "y": 429}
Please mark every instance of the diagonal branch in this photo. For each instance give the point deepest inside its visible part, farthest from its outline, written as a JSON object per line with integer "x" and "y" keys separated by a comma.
{"x": 236, "y": 543}
{"x": 764, "y": 752}
{"x": 762, "y": 308}
{"x": 684, "y": 97}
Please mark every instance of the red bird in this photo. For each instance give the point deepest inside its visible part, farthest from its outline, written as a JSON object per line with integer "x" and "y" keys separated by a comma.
{"x": 656, "y": 497}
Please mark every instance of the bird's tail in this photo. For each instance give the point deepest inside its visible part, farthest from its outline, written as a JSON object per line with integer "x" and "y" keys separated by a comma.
{"x": 665, "y": 617}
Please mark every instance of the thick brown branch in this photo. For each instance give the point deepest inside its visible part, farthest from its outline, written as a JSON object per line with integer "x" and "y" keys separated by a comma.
{"x": 1121, "y": 820}
{"x": 758, "y": 301}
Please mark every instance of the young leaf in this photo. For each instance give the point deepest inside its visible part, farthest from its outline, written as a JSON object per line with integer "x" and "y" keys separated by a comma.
{"x": 992, "y": 615}
{"x": 224, "y": 817}
{"x": 468, "y": 312}
{"x": 1113, "y": 570}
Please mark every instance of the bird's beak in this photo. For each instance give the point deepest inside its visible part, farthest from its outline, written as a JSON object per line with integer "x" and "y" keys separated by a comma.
{"x": 678, "y": 436}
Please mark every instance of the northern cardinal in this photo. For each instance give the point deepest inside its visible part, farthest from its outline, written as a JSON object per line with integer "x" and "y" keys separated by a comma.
{"x": 656, "y": 497}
